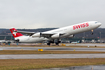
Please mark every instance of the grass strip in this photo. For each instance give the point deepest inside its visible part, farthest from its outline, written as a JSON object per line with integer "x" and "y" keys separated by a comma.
{"x": 26, "y": 64}
{"x": 47, "y": 52}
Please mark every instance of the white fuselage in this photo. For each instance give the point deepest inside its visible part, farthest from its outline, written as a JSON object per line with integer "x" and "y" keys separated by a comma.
{"x": 30, "y": 39}
{"x": 66, "y": 31}
{"x": 69, "y": 29}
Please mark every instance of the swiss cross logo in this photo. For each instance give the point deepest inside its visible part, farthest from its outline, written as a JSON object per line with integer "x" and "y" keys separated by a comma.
{"x": 14, "y": 33}
{"x": 80, "y": 26}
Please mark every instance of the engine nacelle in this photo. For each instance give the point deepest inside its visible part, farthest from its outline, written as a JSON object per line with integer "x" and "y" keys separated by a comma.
{"x": 36, "y": 35}
{"x": 70, "y": 36}
{"x": 55, "y": 36}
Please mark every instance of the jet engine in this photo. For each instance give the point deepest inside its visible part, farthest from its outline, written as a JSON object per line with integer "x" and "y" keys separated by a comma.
{"x": 36, "y": 35}
{"x": 70, "y": 36}
{"x": 55, "y": 36}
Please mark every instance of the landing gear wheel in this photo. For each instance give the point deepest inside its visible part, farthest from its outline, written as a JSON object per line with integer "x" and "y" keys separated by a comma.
{"x": 48, "y": 44}
{"x": 57, "y": 44}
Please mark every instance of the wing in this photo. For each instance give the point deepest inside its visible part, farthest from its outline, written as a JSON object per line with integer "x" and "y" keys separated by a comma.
{"x": 48, "y": 35}
{"x": 42, "y": 34}
{"x": 25, "y": 32}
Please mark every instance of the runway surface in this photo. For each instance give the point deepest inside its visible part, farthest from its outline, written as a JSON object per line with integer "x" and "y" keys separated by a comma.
{"x": 53, "y": 48}
{"x": 54, "y": 56}
{"x": 51, "y": 56}
{"x": 96, "y": 67}
{"x": 87, "y": 44}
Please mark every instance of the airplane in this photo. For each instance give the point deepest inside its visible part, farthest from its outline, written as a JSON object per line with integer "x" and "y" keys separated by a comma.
{"x": 56, "y": 34}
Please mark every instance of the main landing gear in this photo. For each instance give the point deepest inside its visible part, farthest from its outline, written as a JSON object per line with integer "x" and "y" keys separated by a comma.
{"x": 49, "y": 42}
{"x": 57, "y": 42}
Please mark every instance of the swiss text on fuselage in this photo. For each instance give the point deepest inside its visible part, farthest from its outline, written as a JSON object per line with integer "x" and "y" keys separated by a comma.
{"x": 80, "y": 26}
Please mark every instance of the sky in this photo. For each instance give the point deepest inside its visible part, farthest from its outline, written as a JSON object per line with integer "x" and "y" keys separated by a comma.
{"x": 33, "y": 14}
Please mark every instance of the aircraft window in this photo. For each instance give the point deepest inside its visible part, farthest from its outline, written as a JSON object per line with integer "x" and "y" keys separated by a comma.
{"x": 96, "y": 22}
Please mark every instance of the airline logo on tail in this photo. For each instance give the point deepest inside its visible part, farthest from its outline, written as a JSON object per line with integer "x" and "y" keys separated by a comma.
{"x": 14, "y": 33}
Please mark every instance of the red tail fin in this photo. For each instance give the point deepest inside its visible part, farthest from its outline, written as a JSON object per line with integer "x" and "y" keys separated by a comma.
{"x": 14, "y": 33}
